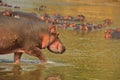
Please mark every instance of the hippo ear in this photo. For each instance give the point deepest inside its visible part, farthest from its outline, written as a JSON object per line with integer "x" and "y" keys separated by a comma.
{"x": 52, "y": 29}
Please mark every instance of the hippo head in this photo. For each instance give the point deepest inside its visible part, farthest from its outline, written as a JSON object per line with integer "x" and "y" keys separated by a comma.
{"x": 52, "y": 42}
{"x": 56, "y": 46}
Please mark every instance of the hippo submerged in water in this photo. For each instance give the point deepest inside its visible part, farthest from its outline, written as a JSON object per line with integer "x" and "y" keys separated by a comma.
{"x": 20, "y": 36}
{"x": 112, "y": 33}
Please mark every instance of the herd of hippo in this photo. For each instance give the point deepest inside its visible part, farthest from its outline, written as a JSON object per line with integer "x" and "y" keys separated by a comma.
{"x": 25, "y": 33}
{"x": 67, "y": 22}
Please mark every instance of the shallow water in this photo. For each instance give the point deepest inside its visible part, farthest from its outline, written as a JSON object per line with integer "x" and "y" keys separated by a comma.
{"x": 88, "y": 56}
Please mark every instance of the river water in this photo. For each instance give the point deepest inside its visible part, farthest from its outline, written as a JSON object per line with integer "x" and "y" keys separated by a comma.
{"x": 87, "y": 57}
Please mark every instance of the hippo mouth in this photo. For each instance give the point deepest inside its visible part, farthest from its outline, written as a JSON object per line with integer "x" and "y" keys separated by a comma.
{"x": 56, "y": 50}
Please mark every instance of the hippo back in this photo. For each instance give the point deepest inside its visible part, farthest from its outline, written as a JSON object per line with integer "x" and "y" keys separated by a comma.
{"x": 27, "y": 31}
{"x": 25, "y": 15}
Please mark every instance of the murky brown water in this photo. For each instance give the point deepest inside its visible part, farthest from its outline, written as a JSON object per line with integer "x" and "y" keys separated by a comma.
{"x": 88, "y": 57}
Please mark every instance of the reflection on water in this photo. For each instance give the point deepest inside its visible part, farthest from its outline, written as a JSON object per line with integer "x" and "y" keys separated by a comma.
{"x": 88, "y": 57}
{"x": 29, "y": 70}
{"x": 17, "y": 72}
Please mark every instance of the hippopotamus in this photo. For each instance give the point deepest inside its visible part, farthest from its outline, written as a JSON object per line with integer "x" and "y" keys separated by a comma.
{"x": 112, "y": 33}
{"x": 19, "y": 35}
{"x": 115, "y": 35}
